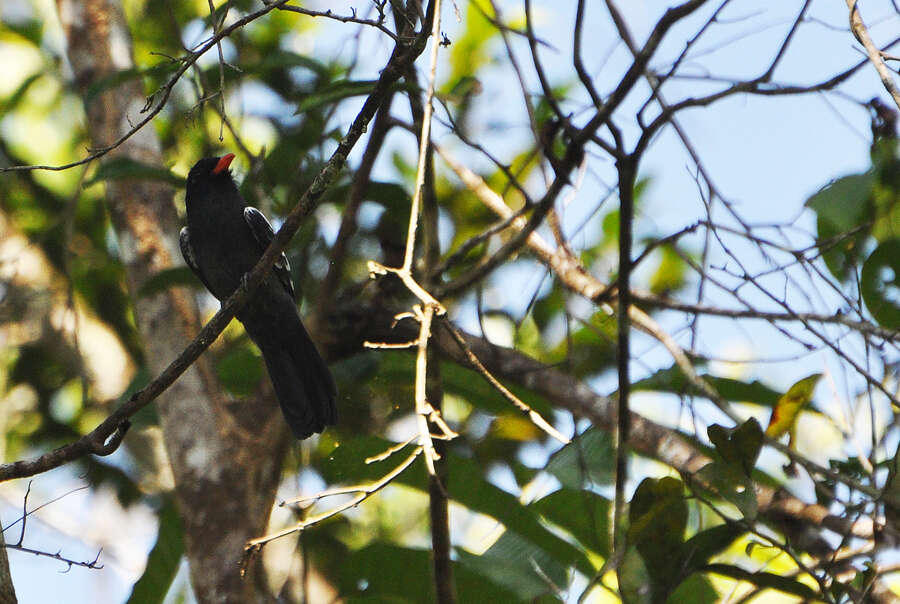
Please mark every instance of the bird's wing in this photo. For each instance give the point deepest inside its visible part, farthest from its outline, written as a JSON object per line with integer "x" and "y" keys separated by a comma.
{"x": 184, "y": 240}
{"x": 264, "y": 234}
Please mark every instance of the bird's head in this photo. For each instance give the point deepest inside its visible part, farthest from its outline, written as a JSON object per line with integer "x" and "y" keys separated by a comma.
{"x": 210, "y": 173}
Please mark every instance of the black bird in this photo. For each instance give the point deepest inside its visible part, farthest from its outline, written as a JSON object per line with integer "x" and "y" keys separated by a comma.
{"x": 223, "y": 240}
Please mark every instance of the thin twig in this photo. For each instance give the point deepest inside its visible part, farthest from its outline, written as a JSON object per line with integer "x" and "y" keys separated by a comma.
{"x": 215, "y": 28}
{"x": 363, "y": 492}
{"x": 327, "y": 14}
{"x": 91, "y": 564}
{"x": 533, "y": 415}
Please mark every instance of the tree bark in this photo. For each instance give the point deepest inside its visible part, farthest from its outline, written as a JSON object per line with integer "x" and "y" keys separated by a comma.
{"x": 226, "y": 471}
{"x": 7, "y": 591}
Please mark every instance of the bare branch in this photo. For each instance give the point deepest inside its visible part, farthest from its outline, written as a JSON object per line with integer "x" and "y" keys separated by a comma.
{"x": 858, "y": 27}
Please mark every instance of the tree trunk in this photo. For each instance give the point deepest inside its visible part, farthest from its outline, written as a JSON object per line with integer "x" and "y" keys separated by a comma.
{"x": 7, "y": 591}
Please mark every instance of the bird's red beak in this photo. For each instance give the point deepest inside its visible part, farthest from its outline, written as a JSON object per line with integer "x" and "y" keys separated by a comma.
{"x": 223, "y": 164}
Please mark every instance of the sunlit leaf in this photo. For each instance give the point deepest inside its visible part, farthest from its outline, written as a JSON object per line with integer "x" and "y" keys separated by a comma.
{"x": 696, "y": 589}
{"x": 788, "y": 408}
{"x": 765, "y": 580}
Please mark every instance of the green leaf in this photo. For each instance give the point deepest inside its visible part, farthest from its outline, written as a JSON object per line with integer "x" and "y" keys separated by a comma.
{"x": 125, "y": 75}
{"x": 669, "y": 275}
{"x": 125, "y": 168}
{"x": 673, "y": 380}
{"x": 167, "y": 279}
{"x": 657, "y": 519}
{"x": 12, "y": 101}
{"x": 393, "y": 196}
{"x": 844, "y": 202}
{"x": 467, "y": 485}
{"x": 584, "y": 514}
{"x": 696, "y": 589}
{"x": 240, "y": 370}
{"x": 334, "y": 92}
{"x": 708, "y": 543}
{"x": 396, "y": 373}
{"x": 345, "y": 463}
{"x": 739, "y": 446}
{"x": 588, "y": 460}
{"x": 164, "y": 558}
{"x": 591, "y": 348}
{"x": 635, "y": 584}
{"x": 880, "y": 283}
{"x": 30, "y": 29}
{"x": 528, "y": 337}
{"x": 372, "y": 574}
{"x": 373, "y": 570}
{"x": 471, "y": 50}
{"x": 842, "y": 206}
{"x": 518, "y": 566}
{"x": 729, "y": 482}
{"x": 280, "y": 59}
{"x": 765, "y": 580}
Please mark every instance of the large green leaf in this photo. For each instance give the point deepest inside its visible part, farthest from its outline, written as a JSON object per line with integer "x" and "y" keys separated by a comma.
{"x": 164, "y": 558}
{"x": 696, "y": 589}
{"x": 739, "y": 446}
{"x": 397, "y": 372}
{"x": 843, "y": 202}
{"x": 588, "y": 460}
{"x": 385, "y": 572}
{"x": 240, "y": 369}
{"x": 842, "y": 206}
{"x": 673, "y": 380}
{"x": 117, "y": 78}
{"x": 281, "y": 58}
{"x": 880, "y": 283}
{"x": 583, "y": 513}
{"x": 466, "y": 485}
{"x": 169, "y": 278}
{"x": 697, "y": 550}
{"x": 728, "y": 481}
{"x": 657, "y": 519}
{"x": 519, "y": 567}
{"x": 765, "y": 580}
{"x": 334, "y": 92}
{"x": 125, "y": 168}
{"x": 635, "y": 584}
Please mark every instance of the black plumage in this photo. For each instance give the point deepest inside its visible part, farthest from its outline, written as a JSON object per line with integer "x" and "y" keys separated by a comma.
{"x": 222, "y": 242}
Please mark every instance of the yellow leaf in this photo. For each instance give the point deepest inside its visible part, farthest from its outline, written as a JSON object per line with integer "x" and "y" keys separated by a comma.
{"x": 789, "y": 406}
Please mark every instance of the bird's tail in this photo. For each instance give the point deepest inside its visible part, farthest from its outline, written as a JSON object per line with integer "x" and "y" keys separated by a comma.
{"x": 300, "y": 377}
